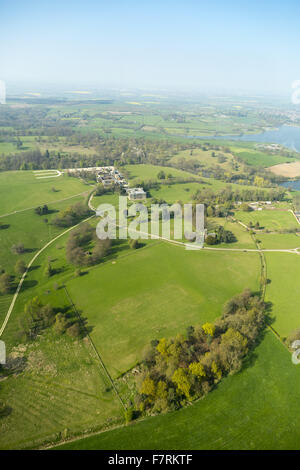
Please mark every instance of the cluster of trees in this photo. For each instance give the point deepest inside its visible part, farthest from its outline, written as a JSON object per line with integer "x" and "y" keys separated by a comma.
{"x": 18, "y": 248}
{"x": 209, "y": 197}
{"x": 6, "y": 283}
{"x": 38, "y": 317}
{"x": 181, "y": 369}
{"x": 220, "y": 235}
{"x": 108, "y": 151}
{"x": 72, "y": 215}
{"x": 218, "y": 210}
{"x": 84, "y": 248}
{"x": 42, "y": 210}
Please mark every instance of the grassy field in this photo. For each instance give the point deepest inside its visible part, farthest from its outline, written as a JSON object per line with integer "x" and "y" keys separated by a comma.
{"x": 254, "y": 409}
{"x": 150, "y": 282}
{"x": 132, "y": 297}
{"x": 268, "y": 219}
{"x": 243, "y": 237}
{"x": 30, "y": 229}
{"x": 283, "y": 270}
{"x": 149, "y": 172}
{"x": 61, "y": 391}
{"x": 204, "y": 158}
{"x": 278, "y": 241}
{"x": 21, "y": 190}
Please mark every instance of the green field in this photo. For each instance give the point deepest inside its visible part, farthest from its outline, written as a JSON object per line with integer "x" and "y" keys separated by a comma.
{"x": 62, "y": 391}
{"x": 131, "y": 298}
{"x": 31, "y": 230}
{"x": 283, "y": 271}
{"x": 150, "y": 282}
{"x": 149, "y": 172}
{"x": 278, "y": 241}
{"x": 273, "y": 220}
{"x": 204, "y": 157}
{"x": 21, "y": 190}
{"x": 254, "y": 409}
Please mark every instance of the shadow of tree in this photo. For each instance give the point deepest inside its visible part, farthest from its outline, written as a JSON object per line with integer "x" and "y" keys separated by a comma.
{"x": 5, "y": 411}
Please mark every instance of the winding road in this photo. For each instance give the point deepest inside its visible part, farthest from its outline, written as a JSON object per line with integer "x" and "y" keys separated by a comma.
{"x": 176, "y": 242}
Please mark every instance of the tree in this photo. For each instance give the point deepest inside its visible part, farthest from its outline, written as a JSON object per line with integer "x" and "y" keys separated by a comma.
{"x": 181, "y": 379}
{"x": 6, "y": 283}
{"x": 161, "y": 175}
{"x": 36, "y": 318}
{"x": 209, "y": 329}
{"x": 197, "y": 369}
{"x": 162, "y": 347}
{"x": 134, "y": 244}
{"x": 18, "y": 249}
{"x": 216, "y": 371}
{"x": 148, "y": 387}
{"x": 48, "y": 270}
{"x": 245, "y": 207}
{"x": 60, "y": 324}
{"x": 74, "y": 330}
{"x": 128, "y": 415}
{"x": 41, "y": 210}
{"x": 161, "y": 390}
{"x": 211, "y": 240}
{"x": 20, "y": 267}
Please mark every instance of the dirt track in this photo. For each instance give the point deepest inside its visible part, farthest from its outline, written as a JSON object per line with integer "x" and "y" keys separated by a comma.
{"x": 290, "y": 170}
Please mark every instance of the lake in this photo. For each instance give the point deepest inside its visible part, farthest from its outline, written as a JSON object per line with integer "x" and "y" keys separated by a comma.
{"x": 288, "y": 136}
{"x": 292, "y": 184}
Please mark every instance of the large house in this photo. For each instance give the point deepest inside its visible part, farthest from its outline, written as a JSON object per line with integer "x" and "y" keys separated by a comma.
{"x": 136, "y": 194}
{"x": 108, "y": 176}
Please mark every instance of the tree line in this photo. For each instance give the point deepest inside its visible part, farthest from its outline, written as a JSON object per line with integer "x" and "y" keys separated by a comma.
{"x": 179, "y": 370}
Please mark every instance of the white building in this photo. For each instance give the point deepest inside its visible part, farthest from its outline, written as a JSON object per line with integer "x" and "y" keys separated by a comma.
{"x": 135, "y": 194}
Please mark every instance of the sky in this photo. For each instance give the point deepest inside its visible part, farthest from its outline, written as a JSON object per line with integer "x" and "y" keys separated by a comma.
{"x": 188, "y": 45}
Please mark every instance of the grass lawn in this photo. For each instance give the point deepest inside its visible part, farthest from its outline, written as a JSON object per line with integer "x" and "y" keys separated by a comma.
{"x": 21, "y": 190}
{"x": 257, "y": 408}
{"x": 149, "y": 295}
{"x": 62, "y": 391}
{"x": 278, "y": 240}
{"x": 176, "y": 192}
{"x": 204, "y": 157}
{"x": 268, "y": 219}
{"x": 31, "y": 230}
{"x": 243, "y": 237}
{"x": 257, "y": 158}
{"x": 283, "y": 270}
{"x": 149, "y": 172}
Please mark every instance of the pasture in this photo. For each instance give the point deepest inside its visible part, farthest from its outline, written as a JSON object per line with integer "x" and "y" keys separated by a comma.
{"x": 21, "y": 190}
{"x": 258, "y": 408}
{"x": 269, "y": 219}
{"x": 278, "y": 241}
{"x": 60, "y": 390}
{"x": 149, "y": 172}
{"x": 283, "y": 272}
{"x": 150, "y": 283}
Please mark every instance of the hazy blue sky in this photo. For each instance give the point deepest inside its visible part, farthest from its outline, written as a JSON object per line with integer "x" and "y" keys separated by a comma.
{"x": 189, "y": 45}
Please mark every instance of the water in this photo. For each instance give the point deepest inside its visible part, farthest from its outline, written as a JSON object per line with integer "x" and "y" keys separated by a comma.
{"x": 288, "y": 136}
{"x": 292, "y": 184}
